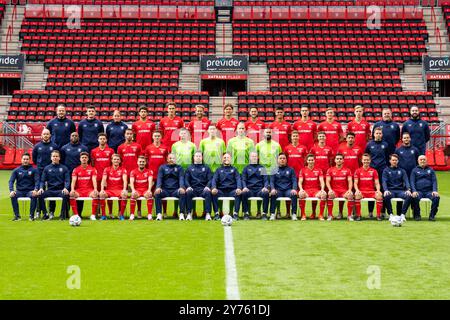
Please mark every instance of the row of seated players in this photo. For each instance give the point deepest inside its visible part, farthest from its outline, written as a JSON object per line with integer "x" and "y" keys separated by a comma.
{"x": 199, "y": 181}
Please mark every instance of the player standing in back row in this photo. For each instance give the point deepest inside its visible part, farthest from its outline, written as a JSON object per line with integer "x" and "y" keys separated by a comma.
{"x": 170, "y": 125}
{"x": 227, "y": 125}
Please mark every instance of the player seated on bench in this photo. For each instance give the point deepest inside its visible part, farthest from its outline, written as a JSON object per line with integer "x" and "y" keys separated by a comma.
{"x": 26, "y": 179}
{"x": 367, "y": 186}
{"x": 84, "y": 185}
{"x": 424, "y": 186}
{"x": 56, "y": 180}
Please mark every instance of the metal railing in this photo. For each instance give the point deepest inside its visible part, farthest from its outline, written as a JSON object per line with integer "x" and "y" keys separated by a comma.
{"x": 13, "y": 138}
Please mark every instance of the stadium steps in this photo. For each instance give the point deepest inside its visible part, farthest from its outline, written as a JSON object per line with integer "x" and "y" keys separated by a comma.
{"x": 14, "y": 43}
{"x": 4, "y": 106}
{"x": 224, "y": 39}
{"x": 216, "y": 107}
{"x": 443, "y": 108}
{"x": 433, "y": 41}
{"x": 411, "y": 78}
{"x": 189, "y": 77}
{"x": 35, "y": 76}
{"x": 258, "y": 77}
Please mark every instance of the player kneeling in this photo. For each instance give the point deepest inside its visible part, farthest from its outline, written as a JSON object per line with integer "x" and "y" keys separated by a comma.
{"x": 84, "y": 185}
{"x": 141, "y": 183}
{"x": 114, "y": 184}
{"x": 367, "y": 185}
{"x": 311, "y": 184}
{"x": 340, "y": 184}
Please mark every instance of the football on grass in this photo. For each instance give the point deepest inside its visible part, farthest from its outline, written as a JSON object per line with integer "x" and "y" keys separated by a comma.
{"x": 227, "y": 220}
{"x": 75, "y": 221}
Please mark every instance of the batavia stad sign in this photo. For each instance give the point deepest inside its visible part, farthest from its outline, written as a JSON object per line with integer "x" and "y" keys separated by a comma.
{"x": 224, "y": 64}
{"x": 11, "y": 62}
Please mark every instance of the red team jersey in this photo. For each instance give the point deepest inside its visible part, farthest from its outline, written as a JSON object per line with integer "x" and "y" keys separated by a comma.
{"x": 351, "y": 156}
{"x": 84, "y": 176}
{"x": 339, "y": 179}
{"x": 141, "y": 180}
{"x": 114, "y": 180}
{"x": 361, "y": 131}
{"x": 227, "y": 128}
{"x": 198, "y": 129}
{"x": 156, "y": 156}
{"x": 255, "y": 129}
{"x": 143, "y": 131}
{"x": 102, "y": 159}
{"x": 169, "y": 129}
{"x": 281, "y": 133}
{"x": 333, "y": 131}
{"x": 129, "y": 154}
{"x": 366, "y": 179}
{"x": 311, "y": 182}
{"x": 296, "y": 157}
{"x": 323, "y": 157}
{"x": 306, "y": 132}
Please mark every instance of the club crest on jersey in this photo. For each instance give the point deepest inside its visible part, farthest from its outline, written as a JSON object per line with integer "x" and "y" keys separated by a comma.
{"x": 30, "y": 173}
{"x": 399, "y": 173}
{"x": 428, "y": 171}
{"x": 60, "y": 169}
{"x": 66, "y": 124}
{"x": 203, "y": 169}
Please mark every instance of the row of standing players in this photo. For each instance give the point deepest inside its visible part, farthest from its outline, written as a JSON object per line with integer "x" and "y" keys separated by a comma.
{"x": 239, "y": 147}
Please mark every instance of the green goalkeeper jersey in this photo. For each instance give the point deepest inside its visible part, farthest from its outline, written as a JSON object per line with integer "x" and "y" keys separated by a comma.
{"x": 240, "y": 149}
{"x": 212, "y": 152}
{"x": 184, "y": 153}
{"x": 268, "y": 154}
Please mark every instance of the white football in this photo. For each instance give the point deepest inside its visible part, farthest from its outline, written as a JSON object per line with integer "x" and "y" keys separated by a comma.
{"x": 396, "y": 221}
{"x": 227, "y": 220}
{"x": 75, "y": 221}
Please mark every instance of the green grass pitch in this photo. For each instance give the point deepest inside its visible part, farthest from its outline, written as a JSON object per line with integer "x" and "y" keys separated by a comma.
{"x": 186, "y": 260}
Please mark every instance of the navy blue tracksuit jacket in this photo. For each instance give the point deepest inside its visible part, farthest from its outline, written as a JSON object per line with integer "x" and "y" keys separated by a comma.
{"x": 42, "y": 154}
{"x": 254, "y": 177}
{"x": 170, "y": 177}
{"x": 407, "y": 158}
{"x": 226, "y": 178}
{"x": 61, "y": 129}
{"x": 419, "y": 131}
{"x": 379, "y": 151}
{"x": 197, "y": 177}
{"x": 88, "y": 131}
{"x": 70, "y": 155}
{"x": 26, "y": 179}
{"x": 391, "y": 133}
{"x": 115, "y": 132}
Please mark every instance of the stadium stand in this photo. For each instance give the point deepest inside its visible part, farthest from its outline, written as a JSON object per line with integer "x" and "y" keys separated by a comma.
{"x": 115, "y": 63}
{"x": 334, "y": 58}
{"x": 446, "y": 11}
{"x": 2, "y": 9}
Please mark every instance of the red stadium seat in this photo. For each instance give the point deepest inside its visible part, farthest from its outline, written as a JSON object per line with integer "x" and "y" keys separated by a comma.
{"x": 9, "y": 155}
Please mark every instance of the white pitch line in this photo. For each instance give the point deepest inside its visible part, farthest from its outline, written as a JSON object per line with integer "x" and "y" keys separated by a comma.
{"x": 230, "y": 266}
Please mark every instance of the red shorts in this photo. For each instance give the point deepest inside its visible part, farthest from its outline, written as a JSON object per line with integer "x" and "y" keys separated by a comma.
{"x": 339, "y": 193}
{"x": 113, "y": 193}
{"x": 311, "y": 193}
{"x": 368, "y": 194}
{"x": 84, "y": 193}
{"x": 141, "y": 192}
